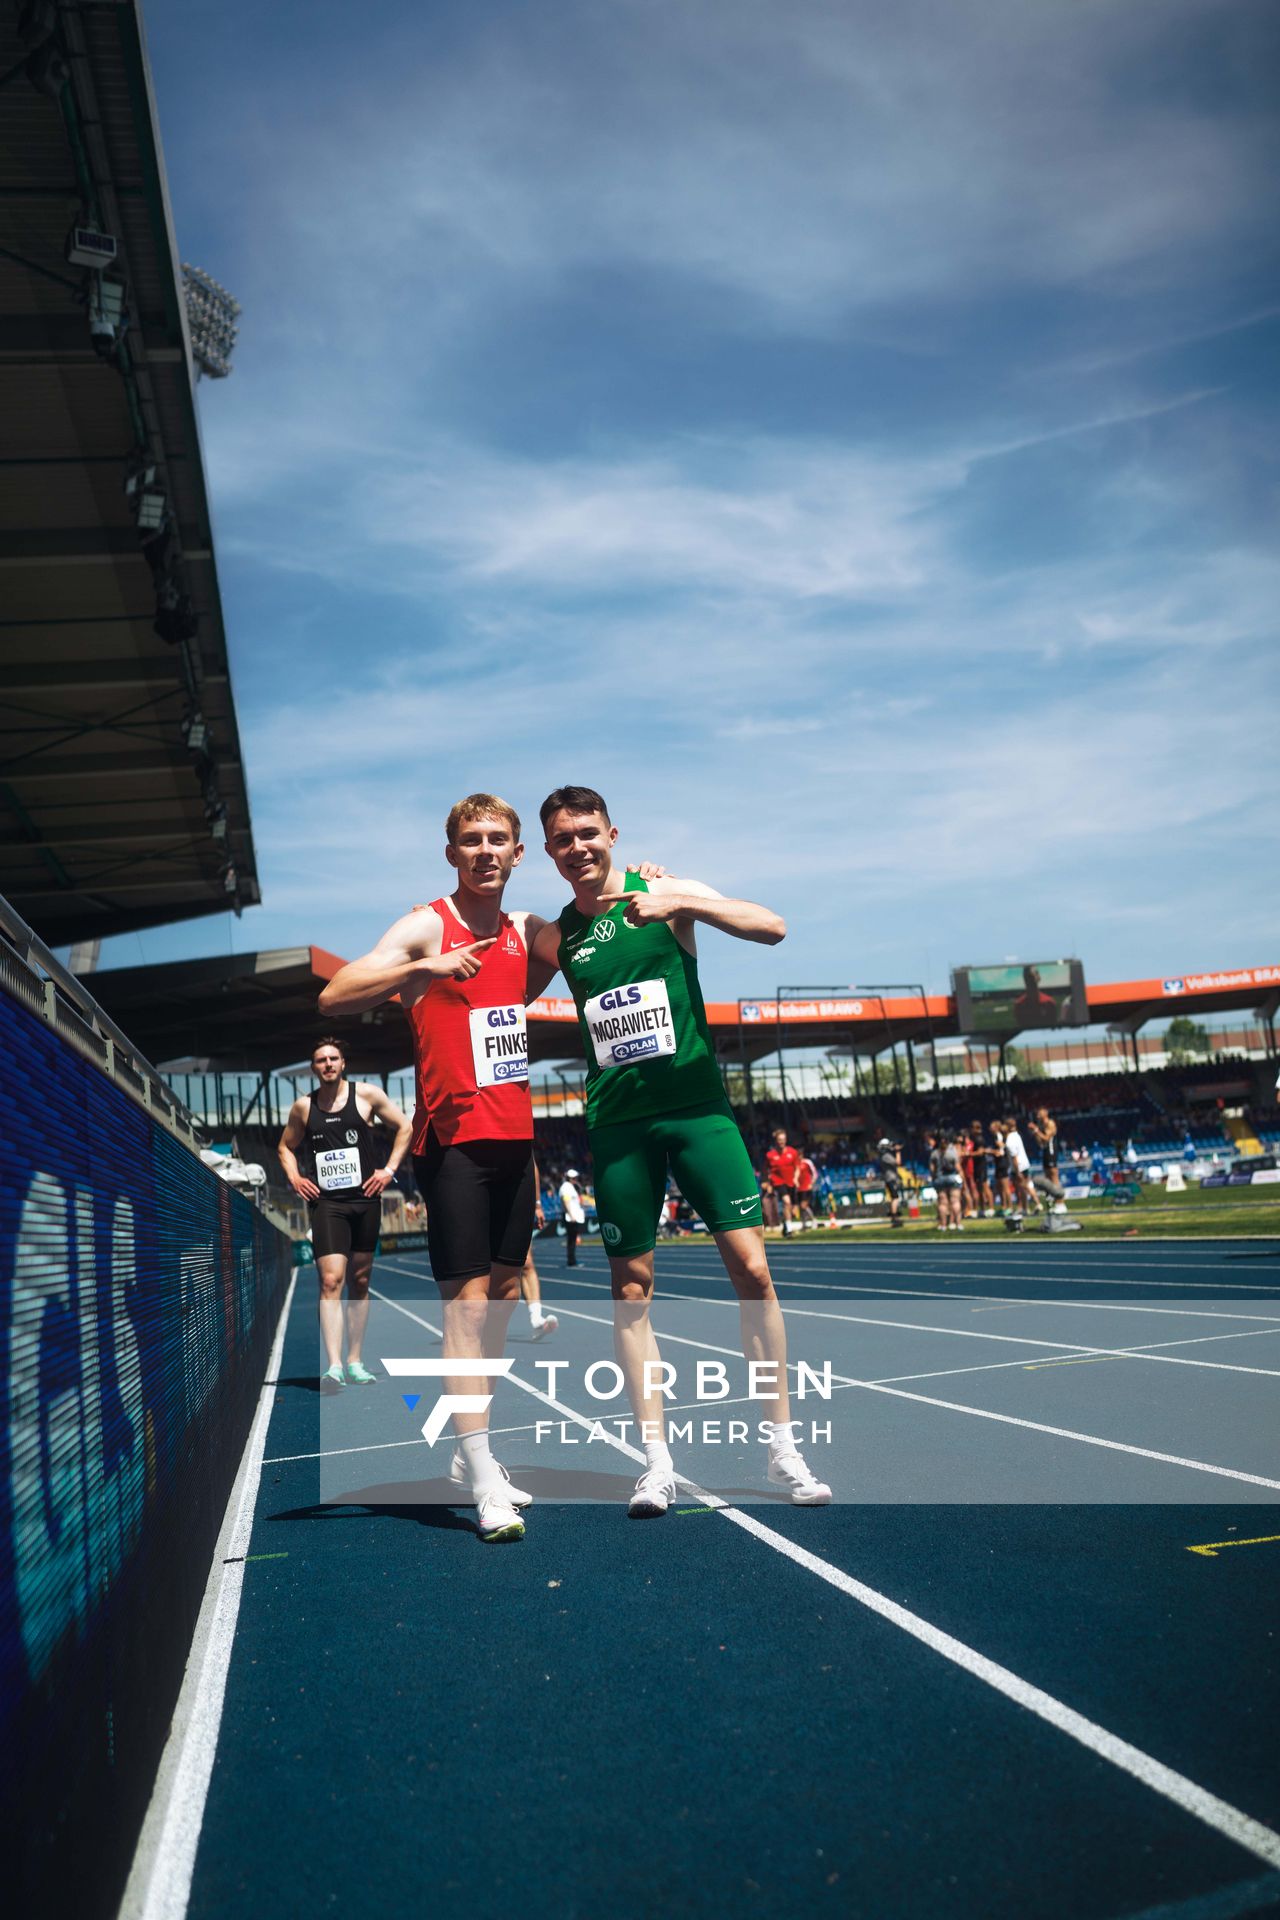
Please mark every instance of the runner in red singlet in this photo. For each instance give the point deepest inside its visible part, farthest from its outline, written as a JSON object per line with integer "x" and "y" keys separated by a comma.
{"x": 460, "y": 967}
{"x": 782, "y": 1163}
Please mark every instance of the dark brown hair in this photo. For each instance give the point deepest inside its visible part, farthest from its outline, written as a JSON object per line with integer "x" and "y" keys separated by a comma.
{"x": 572, "y": 800}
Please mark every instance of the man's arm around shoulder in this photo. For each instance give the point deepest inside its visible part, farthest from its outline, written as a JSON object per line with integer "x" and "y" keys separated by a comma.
{"x": 544, "y": 955}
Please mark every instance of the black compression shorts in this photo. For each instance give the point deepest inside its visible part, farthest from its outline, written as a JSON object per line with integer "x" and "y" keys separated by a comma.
{"x": 480, "y": 1200}
{"x": 345, "y": 1226}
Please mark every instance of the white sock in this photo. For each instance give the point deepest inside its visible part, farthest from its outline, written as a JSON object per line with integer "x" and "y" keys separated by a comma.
{"x": 657, "y": 1454}
{"x": 480, "y": 1463}
{"x": 782, "y": 1441}
{"x": 536, "y": 1315}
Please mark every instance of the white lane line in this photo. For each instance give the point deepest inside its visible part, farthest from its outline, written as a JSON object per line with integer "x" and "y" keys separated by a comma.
{"x": 1082, "y": 1278}
{"x": 1100, "y": 1353}
{"x": 977, "y": 1413}
{"x": 1202, "y": 1805}
{"x": 924, "y": 1245}
{"x": 1018, "y": 1300}
{"x": 164, "y": 1860}
{"x": 1000, "y": 1299}
{"x": 1148, "y": 1351}
{"x": 995, "y": 1366}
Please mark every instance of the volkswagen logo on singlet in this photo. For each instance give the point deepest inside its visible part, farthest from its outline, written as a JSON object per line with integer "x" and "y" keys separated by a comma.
{"x": 353, "y": 1138}
{"x": 603, "y": 931}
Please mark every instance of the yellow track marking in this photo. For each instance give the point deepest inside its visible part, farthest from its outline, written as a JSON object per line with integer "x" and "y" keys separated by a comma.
{"x": 1214, "y": 1547}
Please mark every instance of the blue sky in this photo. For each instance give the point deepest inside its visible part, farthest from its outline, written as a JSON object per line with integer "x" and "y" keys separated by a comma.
{"x": 842, "y": 433}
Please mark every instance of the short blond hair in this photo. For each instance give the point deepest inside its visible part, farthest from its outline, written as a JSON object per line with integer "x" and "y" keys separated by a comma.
{"x": 480, "y": 806}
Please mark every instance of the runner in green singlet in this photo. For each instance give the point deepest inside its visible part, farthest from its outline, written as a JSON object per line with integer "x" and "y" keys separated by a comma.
{"x": 655, "y": 1100}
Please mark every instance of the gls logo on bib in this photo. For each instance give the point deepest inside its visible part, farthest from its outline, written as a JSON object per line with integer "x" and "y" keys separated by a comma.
{"x": 499, "y": 1045}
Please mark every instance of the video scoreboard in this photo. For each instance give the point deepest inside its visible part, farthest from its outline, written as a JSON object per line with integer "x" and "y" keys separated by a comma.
{"x": 1001, "y": 1001}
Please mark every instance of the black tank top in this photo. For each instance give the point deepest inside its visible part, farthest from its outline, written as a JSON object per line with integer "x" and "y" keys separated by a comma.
{"x": 340, "y": 1147}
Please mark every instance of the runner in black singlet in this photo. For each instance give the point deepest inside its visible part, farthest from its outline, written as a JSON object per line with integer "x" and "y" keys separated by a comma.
{"x": 331, "y": 1159}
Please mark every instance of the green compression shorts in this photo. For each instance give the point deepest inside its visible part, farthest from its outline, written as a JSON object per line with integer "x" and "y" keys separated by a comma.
{"x": 705, "y": 1151}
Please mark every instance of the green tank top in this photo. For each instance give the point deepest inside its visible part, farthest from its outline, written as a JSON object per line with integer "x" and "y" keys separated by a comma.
{"x": 641, "y": 1015}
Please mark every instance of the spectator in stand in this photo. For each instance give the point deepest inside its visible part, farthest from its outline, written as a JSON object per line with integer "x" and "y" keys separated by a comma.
{"x": 889, "y": 1162}
{"x": 806, "y": 1179}
{"x": 782, "y": 1163}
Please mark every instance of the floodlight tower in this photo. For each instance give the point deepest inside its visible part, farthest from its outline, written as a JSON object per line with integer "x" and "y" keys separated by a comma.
{"x": 213, "y": 317}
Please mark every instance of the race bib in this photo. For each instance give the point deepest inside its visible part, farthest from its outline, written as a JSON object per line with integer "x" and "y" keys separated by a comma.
{"x": 499, "y": 1045}
{"x": 338, "y": 1167}
{"x": 630, "y": 1024}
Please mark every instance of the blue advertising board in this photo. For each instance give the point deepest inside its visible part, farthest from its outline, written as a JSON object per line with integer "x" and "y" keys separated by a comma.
{"x": 138, "y": 1298}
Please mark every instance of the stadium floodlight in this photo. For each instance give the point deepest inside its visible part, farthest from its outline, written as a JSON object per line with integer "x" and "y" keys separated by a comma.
{"x": 87, "y": 247}
{"x": 147, "y": 498}
{"x": 213, "y": 317}
{"x": 106, "y": 313}
{"x": 195, "y": 731}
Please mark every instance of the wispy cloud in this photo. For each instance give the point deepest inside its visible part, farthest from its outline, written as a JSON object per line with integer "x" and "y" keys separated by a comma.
{"x": 836, "y": 435}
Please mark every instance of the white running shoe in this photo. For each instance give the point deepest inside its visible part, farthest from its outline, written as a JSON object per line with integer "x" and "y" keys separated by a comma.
{"x": 496, "y": 1518}
{"x": 515, "y": 1496}
{"x": 547, "y": 1324}
{"x": 655, "y": 1490}
{"x": 790, "y": 1471}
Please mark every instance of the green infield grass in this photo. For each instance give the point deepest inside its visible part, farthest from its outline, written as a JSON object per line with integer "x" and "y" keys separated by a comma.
{"x": 1221, "y": 1213}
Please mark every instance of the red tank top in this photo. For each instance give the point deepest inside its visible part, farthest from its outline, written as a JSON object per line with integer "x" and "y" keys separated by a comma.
{"x": 471, "y": 1052}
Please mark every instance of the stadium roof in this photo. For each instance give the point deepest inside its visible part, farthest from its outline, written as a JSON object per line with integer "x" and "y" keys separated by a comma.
{"x": 257, "y": 1012}
{"x": 122, "y": 795}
